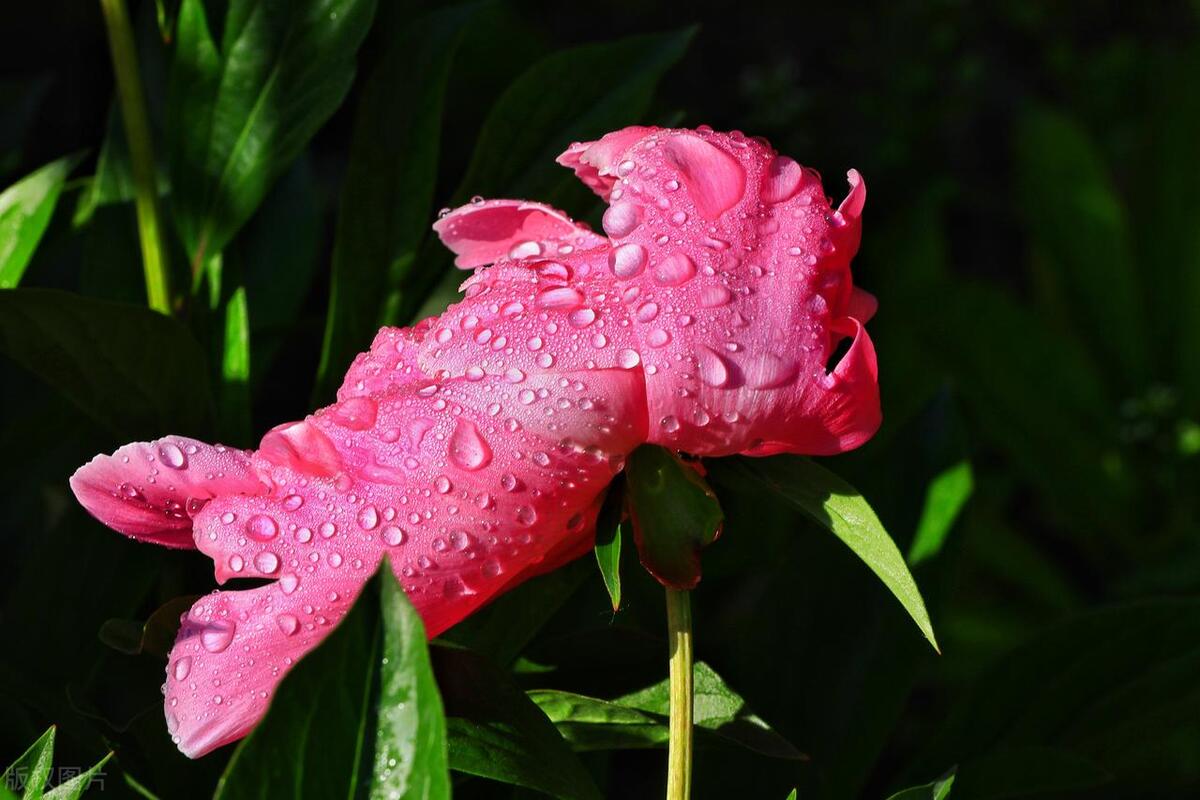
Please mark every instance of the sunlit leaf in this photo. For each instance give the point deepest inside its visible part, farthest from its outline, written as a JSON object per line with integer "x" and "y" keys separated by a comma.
{"x": 937, "y": 790}
{"x": 361, "y": 713}
{"x": 608, "y": 543}
{"x": 25, "y": 210}
{"x": 639, "y": 720}
{"x": 241, "y": 109}
{"x": 837, "y": 506}
{"x": 31, "y": 774}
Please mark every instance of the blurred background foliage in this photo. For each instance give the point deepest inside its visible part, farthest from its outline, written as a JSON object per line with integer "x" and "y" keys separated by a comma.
{"x": 1032, "y": 232}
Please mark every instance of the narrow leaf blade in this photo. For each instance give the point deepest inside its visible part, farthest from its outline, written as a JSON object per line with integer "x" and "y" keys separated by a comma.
{"x": 25, "y": 211}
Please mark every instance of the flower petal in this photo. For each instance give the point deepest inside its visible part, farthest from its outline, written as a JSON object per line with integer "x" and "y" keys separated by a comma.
{"x": 151, "y": 490}
{"x": 596, "y": 163}
{"x": 484, "y": 232}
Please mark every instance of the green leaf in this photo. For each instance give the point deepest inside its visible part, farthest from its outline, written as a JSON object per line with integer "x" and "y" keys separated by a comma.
{"x": 25, "y": 211}
{"x": 575, "y": 94}
{"x": 1026, "y": 772}
{"x": 155, "y": 636}
{"x": 1092, "y": 686}
{"x": 387, "y": 199}
{"x": 235, "y": 370}
{"x": 30, "y": 774}
{"x": 31, "y": 771}
{"x": 937, "y": 790}
{"x": 410, "y": 735}
{"x": 132, "y": 370}
{"x": 495, "y": 731}
{"x": 837, "y": 506}
{"x": 608, "y": 544}
{"x": 347, "y": 710}
{"x": 501, "y": 629}
{"x": 239, "y": 111}
{"x": 945, "y": 497}
{"x": 674, "y": 515}
{"x": 1076, "y": 218}
{"x": 940, "y": 448}
{"x": 640, "y": 719}
{"x": 75, "y": 788}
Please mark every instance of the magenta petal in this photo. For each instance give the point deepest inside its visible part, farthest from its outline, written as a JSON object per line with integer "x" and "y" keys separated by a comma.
{"x": 597, "y": 163}
{"x": 484, "y": 232}
{"x": 151, "y": 490}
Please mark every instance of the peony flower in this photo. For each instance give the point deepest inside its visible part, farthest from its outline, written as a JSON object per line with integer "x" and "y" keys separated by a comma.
{"x": 474, "y": 448}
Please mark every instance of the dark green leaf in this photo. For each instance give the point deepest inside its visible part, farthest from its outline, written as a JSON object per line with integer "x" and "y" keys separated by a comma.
{"x": 674, "y": 515}
{"x": 76, "y": 787}
{"x": 387, "y": 199}
{"x": 571, "y": 95}
{"x": 239, "y": 111}
{"x": 575, "y": 94}
{"x": 1093, "y": 686}
{"x": 837, "y": 506}
{"x": 1026, "y": 772}
{"x": 501, "y": 629}
{"x": 1077, "y": 220}
{"x": 134, "y": 371}
{"x": 410, "y": 736}
{"x": 234, "y": 401}
{"x": 940, "y": 448}
{"x": 608, "y": 543}
{"x": 358, "y": 716}
{"x": 495, "y": 730}
{"x": 640, "y": 719}
{"x": 155, "y": 636}
{"x": 25, "y": 210}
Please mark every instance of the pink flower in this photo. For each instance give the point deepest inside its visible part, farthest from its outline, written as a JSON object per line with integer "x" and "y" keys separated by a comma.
{"x": 474, "y": 448}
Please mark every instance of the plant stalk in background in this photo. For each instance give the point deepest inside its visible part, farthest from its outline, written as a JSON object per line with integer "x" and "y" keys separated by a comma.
{"x": 679, "y": 741}
{"x": 141, "y": 149}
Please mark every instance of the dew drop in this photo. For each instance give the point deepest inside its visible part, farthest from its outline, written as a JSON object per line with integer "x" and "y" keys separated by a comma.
{"x": 468, "y": 449}
{"x": 172, "y": 456}
{"x": 675, "y": 270}
{"x": 288, "y": 582}
{"x": 266, "y": 562}
{"x": 627, "y": 260}
{"x": 183, "y": 668}
{"x": 288, "y": 624}
{"x": 217, "y": 635}
{"x": 262, "y": 528}
{"x": 713, "y": 369}
{"x": 393, "y": 536}
{"x": 621, "y": 219}
{"x": 559, "y": 297}
{"x": 368, "y": 518}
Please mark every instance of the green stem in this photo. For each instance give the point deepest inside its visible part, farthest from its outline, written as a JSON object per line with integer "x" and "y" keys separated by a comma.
{"x": 141, "y": 150}
{"x": 679, "y": 741}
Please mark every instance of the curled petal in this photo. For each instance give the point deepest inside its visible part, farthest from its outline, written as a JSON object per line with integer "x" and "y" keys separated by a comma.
{"x": 597, "y": 163}
{"x": 485, "y": 232}
{"x": 151, "y": 490}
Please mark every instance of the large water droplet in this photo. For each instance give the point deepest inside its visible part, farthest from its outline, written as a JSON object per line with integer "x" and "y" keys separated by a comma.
{"x": 393, "y": 536}
{"x": 288, "y": 582}
{"x": 768, "y": 371}
{"x": 526, "y": 516}
{"x": 621, "y": 219}
{"x": 629, "y": 359}
{"x": 262, "y": 528}
{"x": 357, "y": 413}
{"x": 288, "y": 624}
{"x": 713, "y": 369}
{"x": 561, "y": 297}
{"x": 368, "y": 518}
{"x": 582, "y": 317}
{"x": 183, "y": 668}
{"x": 468, "y": 449}
{"x": 675, "y": 270}
{"x": 266, "y": 562}
{"x": 217, "y": 635}
{"x": 714, "y": 296}
{"x": 172, "y": 456}
{"x": 627, "y": 260}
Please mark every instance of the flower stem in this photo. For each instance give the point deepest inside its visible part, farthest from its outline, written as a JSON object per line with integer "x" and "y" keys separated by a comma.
{"x": 137, "y": 132}
{"x": 679, "y": 742}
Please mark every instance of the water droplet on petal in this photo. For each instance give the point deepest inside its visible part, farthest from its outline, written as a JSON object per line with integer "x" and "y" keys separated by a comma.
{"x": 368, "y": 518}
{"x": 393, "y": 536}
{"x": 468, "y": 449}
{"x": 621, "y": 219}
{"x": 357, "y": 413}
{"x": 714, "y": 296}
{"x": 217, "y": 635}
{"x": 627, "y": 260}
{"x": 525, "y": 250}
{"x": 629, "y": 359}
{"x": 562, "y": 297}
{"x": 288, "y": 624}
{"x": 262, "y": 528}
{"x": 713, "y": 369}
{"x": 582, "y": 317}
{"x": 675, "y": 270}
{"x": 182, "y": 668}
{"x": 172, "y": 456}
{"x": 266, "y": 562}
{"x": 289, "y": 582}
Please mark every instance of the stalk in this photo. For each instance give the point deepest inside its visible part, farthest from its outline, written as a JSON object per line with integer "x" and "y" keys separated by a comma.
{"x": 132, "y": 100}
{"x": 679, "y": 741}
